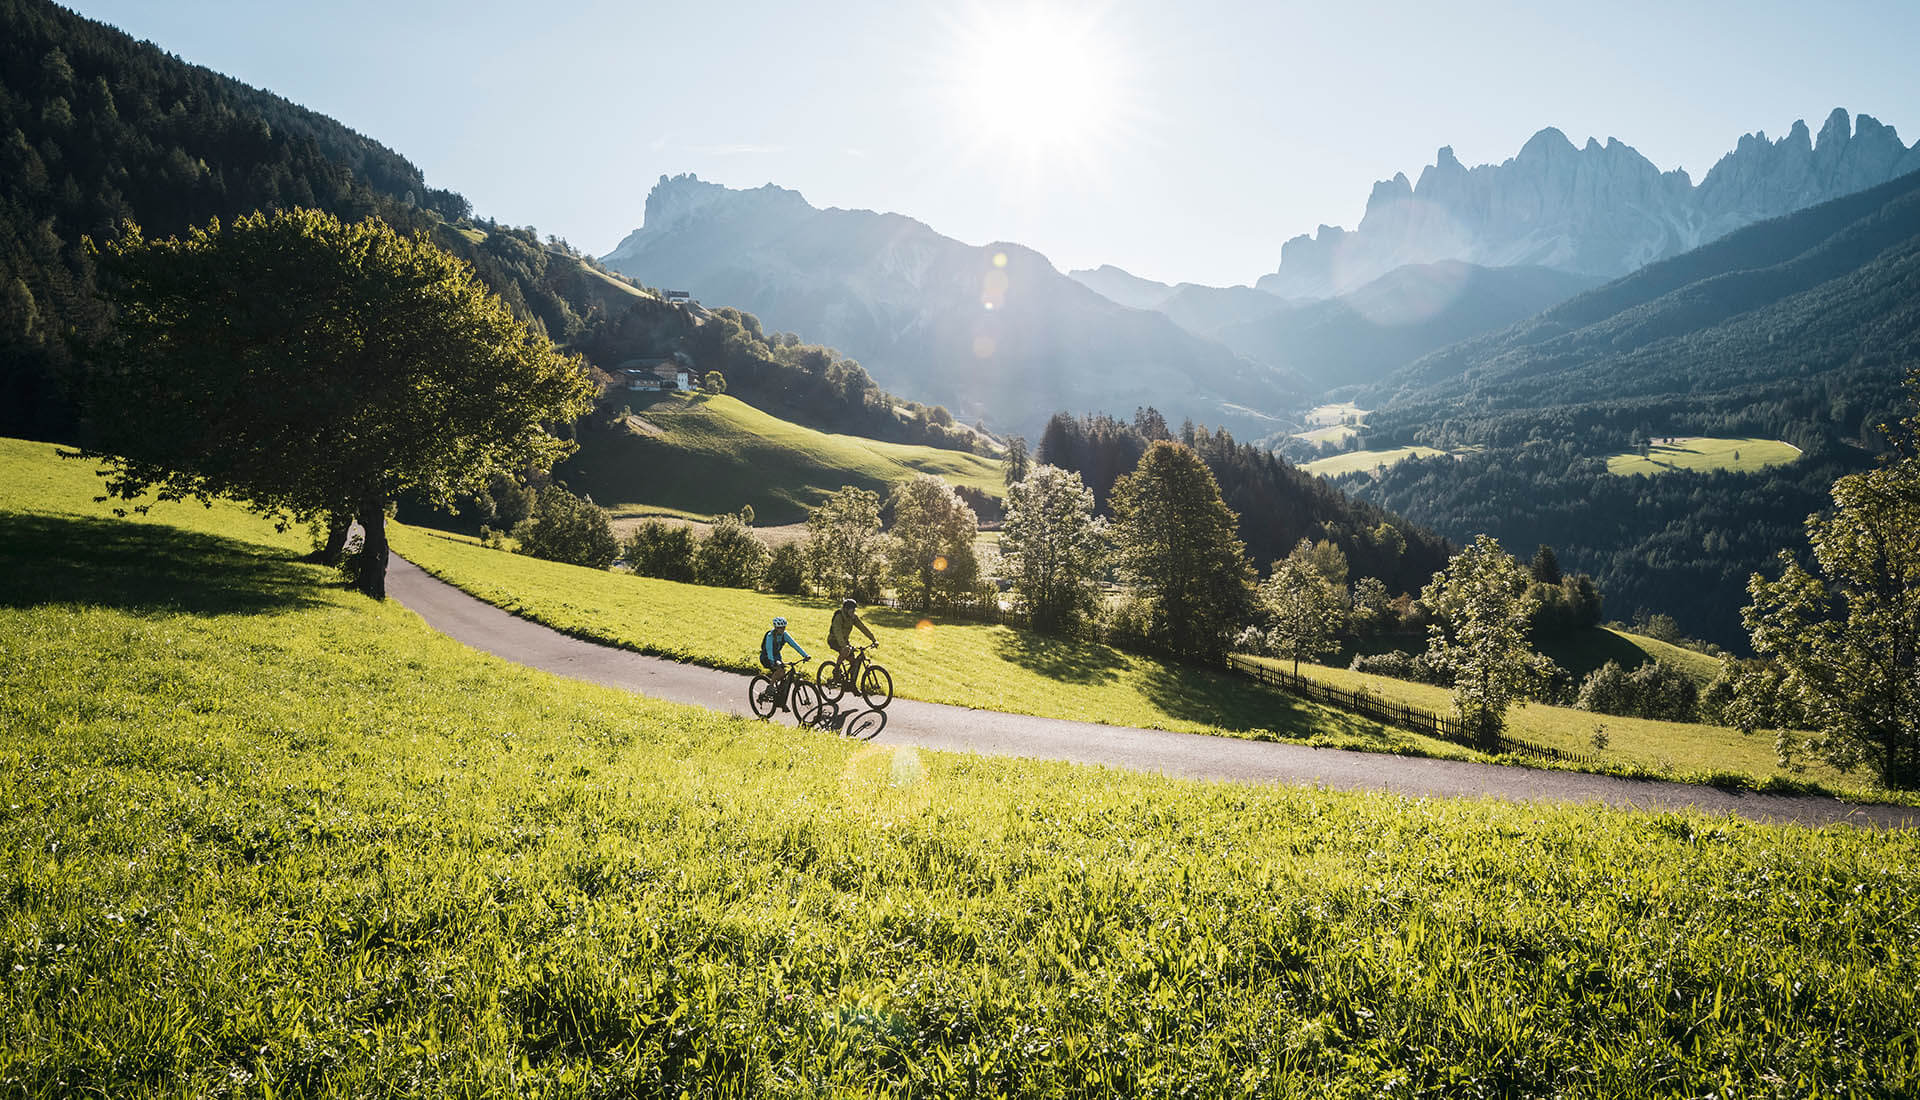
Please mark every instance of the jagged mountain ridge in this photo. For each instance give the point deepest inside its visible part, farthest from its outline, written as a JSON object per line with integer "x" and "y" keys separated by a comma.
{"x": 991, "y": 331}
{"x": 1601, "y": 210}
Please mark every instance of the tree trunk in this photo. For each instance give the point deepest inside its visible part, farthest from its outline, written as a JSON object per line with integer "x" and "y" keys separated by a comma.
{"x": 338, "y": 524}
{"x": 372, "y": 578}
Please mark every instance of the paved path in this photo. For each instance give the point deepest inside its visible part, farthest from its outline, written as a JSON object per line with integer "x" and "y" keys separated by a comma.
{"x": 1186, "y": 755}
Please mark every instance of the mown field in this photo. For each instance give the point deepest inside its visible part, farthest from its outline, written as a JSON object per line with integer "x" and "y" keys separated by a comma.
{"x": 1356, "y": 461}
{"x": 1704, "y": 454}
{"x": 697, "y": 456}
{"x": 261, "y": 836}
{"x": 946, "y": 660}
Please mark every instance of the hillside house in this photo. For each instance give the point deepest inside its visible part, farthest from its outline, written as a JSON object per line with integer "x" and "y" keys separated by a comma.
{"x": 679, "y": 297}
{"x": 657, "y": 375}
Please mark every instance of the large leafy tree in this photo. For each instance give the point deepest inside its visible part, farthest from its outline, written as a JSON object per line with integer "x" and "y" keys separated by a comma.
{"x": 1053, "y": 547}
{"x": 1307, "y": 609}
{"x": 310, "y": 366}
{"x": 1848, "y": 639}
{"x": 1177, "y": 545}
{"x": 1480, "y": 637}
{"x": 931, "y": 557}
{"x": 846, "y": 551}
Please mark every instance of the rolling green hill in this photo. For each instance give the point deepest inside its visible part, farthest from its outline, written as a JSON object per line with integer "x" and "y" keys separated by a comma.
{"x": 261, "y": 835}
{"x": 702, "y": 455}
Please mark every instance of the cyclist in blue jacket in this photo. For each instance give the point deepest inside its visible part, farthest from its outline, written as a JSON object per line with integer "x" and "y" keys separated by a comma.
{"x": 772, "y": 645}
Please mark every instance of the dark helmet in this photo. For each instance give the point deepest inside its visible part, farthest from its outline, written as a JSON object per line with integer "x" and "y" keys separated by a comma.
{"x": 849, "y": 603}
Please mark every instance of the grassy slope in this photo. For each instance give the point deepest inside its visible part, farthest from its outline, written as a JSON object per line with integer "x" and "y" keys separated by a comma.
{"x": 1354, "y": 461}
{"x": 947, "y": 661}
{"x": 1703, "y": 453}
{"x": 1685, "y": 749}
{"x": 258, "y": 833}
{"x": 717, "y": 453}
{"x": 1583, "y": 651}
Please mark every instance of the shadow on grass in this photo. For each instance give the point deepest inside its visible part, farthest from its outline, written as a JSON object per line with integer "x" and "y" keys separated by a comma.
{"x": 1583, "y": 651}
{"x": 115, "y": 563}
{"x": 1064, "y": 659}
{"x": 1233, "y": 703}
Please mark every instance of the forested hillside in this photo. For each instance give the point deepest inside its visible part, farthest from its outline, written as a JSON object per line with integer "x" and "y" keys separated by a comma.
{"x": 98, "y": 130}
{"x": 1278, "y": 504}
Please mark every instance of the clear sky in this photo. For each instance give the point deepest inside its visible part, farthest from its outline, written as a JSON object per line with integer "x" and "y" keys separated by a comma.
{"x": 1180, "y": 141}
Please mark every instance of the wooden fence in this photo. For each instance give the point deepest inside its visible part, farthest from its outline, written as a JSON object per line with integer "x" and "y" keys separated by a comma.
{"x": 1399, "y": 715}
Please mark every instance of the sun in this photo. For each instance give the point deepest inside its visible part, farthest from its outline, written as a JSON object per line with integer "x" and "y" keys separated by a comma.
{"x": 1037, "y": 87}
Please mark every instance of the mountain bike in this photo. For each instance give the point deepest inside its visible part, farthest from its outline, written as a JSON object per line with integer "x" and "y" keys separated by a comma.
{"x": 869, "y": 681}
{"x": 802, "y": 698}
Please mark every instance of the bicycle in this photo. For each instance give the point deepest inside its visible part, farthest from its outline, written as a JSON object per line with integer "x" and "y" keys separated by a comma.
{"x": 802, "y": 698}
{"x": 869, "y": 681}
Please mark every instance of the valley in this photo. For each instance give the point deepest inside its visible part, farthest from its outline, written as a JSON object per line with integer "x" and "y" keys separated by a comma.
{"x": 1472, "y": 656}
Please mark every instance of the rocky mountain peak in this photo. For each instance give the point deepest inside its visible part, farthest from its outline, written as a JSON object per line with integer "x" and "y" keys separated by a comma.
{"x": 1599, "y": 210}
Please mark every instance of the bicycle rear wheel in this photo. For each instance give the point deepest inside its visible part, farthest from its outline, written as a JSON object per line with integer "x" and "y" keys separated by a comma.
{"x": 804, "y": 702}
{"x": 876, "y": 687}
{"x": 827, "y": 679}
{"x": 761, "y": 695}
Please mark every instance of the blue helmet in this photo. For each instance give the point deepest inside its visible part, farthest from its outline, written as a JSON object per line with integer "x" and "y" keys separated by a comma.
{"x": 779, "y": 623}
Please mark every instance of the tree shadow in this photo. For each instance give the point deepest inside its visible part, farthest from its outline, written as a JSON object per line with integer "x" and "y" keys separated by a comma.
{"x": 1584, "y": 651}
{"x": 52, "y": 559}
{"x": 1239, "y": 705}
{"x": 1066, "y": 659}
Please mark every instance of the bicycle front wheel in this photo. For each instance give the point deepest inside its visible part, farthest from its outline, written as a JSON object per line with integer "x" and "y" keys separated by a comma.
{"x": 827, "y": 679}
{"x": 761, "y": 694}
{"x": 804, "y": 702}
{"x": 876, "y": 687}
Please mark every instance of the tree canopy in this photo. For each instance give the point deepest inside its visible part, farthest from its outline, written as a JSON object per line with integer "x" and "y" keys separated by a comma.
{"x": 1177, "y": 545}
{"x": 1482, "y": 634}
{"x": 1053, "y": 547}
{"x": 1848, "y": 639}
{"x": 931, "y": 556}
{"x": 306, "y": 366}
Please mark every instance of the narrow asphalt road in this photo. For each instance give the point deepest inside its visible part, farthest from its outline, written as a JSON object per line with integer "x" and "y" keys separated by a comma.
{"x": 1185, "y": 755}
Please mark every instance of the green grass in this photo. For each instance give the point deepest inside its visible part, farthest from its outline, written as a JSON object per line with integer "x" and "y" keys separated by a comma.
{"x": 969, "y": 664}
{"x": 1705, "y": 453}
{"x": 1336, "y": 433}
{"x": 1327, "y": 423}
{"x": 1583, "y": 651}
{"x": 261, "y": 836}
{"x": 1356, "y": 461}
{"x": 1681, "y": 750}
{"x": 716, "y": 453}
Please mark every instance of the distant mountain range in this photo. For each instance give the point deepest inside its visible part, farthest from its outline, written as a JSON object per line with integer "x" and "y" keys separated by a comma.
{"x": 1595, "y": 210}
{"x": 1796, "y": 329}
{"x": 991, "y": 331}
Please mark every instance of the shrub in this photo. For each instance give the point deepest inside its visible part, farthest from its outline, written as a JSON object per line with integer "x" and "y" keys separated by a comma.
{"x": 1656, "y": 689}
{"x": 1400, "y": 665}
{"x": 663, "y": 550}
{"x": 567, "y": 528}
{"x": 787, "y": 570}
{"x": 731, "y": 556}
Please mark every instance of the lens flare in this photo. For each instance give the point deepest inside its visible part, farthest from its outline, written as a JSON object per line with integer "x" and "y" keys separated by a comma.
{"x": 939, "y": 565}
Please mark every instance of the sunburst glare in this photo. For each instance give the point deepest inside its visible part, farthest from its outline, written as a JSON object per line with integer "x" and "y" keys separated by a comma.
{"x": 1039, "y": 92}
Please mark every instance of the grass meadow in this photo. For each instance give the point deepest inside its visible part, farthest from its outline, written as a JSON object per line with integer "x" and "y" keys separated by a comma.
{"x": 938, "y": 659}
{"x": 996, "y": 667}
{"x": 1680, "y": 750}
{"x": 1357, "y": 461}
{"x": 260, "y": 836}
{"x": 1702, "y": 454}
{"x": 699, "y": 455}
